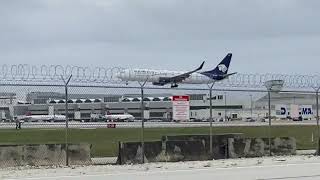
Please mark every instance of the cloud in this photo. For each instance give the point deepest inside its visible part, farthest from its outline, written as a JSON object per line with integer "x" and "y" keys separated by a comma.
{"x": 169, "y": 34}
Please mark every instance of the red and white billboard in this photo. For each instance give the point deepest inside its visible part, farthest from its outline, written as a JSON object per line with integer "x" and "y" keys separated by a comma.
{"x": 181, "y": 108}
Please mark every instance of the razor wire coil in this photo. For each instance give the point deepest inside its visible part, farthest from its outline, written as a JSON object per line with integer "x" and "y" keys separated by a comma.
{"x": 85, "y": 74}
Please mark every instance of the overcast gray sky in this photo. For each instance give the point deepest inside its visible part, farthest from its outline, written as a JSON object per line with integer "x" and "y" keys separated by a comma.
{"x": 278, "y": 36}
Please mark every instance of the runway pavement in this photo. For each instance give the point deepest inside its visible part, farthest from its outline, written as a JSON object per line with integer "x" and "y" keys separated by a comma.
{"x": 273, "y": 172}
{"x": 88, "y": 125}
{"x": 265, "y": 168}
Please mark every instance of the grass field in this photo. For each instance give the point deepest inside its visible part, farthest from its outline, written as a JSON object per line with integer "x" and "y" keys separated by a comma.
{"x": 105, "y": 141}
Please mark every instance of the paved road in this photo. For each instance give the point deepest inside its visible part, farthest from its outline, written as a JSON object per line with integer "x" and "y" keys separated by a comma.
{"x": 307, "y": 171}
{"x": 57, "y": 125}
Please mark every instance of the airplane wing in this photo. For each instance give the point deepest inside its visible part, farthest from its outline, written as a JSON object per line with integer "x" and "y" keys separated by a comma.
{"x": 181, "y": 77}
{"x": 227, "y": 75}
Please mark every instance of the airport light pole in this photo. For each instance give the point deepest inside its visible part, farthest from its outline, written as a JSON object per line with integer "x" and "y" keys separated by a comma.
{"x": 272, "y": 86}
{"x": 142, "y": 117}
{"x": 211, "y": 119}
{"x": 66, "y": 82}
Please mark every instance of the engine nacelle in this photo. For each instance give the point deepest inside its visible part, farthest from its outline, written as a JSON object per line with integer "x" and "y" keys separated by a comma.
{"x": 157, "y": 83}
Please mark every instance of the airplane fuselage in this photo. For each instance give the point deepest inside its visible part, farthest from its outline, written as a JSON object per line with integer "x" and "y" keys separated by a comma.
{"x": 158, "y": 77}
{"x": 119, "y": 117}
{"x": 42, "y": 117}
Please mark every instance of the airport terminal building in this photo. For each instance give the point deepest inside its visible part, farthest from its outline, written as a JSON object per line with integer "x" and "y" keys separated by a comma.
{"x": 157, "y": 106}
{"x": 84, "y": 106}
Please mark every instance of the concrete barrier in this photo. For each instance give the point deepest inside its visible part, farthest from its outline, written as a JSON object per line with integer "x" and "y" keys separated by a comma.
{"x": 161, "y": 151}
{"x": 219, "y": 143}
{"x": 185, "y": 150}
{"x": 197, "y": 148}
{"x": 257, "y": 147}
{"x": 131, "y": 152}
{"x": 44, "y": 155}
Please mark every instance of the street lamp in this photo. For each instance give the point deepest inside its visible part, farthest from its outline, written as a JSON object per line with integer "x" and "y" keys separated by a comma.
{"x": 272, "y": 86}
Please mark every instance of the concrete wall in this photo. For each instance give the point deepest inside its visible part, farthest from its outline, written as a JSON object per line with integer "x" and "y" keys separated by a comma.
{"x": 176, "y": 148}
{"x": 197, "y": 148}
{"x": 219, "y": 143}
{"x": 131, "y": 152}
{"x": 257, "y": 147}
{"x": 161, "y": 151}
{"x": 44, "y": 155}
{"x": 186, "y": 151}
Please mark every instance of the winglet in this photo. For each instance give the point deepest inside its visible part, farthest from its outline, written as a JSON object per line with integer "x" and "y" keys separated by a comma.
{"x": 200, "y": 67}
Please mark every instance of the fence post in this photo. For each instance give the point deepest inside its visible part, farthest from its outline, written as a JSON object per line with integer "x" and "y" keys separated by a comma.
{"x": 210, "y": 106}
{"x": 269, "y": 117}
{"x": 318, "y": 132}
{"x": 67, "y": 119}
{"x": 142, "y": 118}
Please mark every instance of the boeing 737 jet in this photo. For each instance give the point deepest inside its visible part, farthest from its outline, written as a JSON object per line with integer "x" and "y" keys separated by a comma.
{"x": 162, "y": 77}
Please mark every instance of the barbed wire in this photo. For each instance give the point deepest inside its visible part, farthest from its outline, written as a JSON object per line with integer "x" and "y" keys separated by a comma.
{"x": 52, "y": 74}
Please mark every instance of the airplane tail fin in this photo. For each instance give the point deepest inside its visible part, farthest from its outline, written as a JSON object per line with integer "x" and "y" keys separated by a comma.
{"x": 222, "y": 68}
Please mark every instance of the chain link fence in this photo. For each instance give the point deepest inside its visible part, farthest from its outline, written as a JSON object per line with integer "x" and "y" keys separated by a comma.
{"x": 61, "y": 119}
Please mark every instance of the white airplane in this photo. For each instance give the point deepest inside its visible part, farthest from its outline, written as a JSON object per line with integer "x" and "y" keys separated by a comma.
{"x": 119, "y": 117}
{"x": 45, "y": 118}
{"x": 162, "y": 77}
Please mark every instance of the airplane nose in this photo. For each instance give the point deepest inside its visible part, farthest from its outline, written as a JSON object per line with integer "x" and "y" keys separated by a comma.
{"x": 120, "y": 74}
{"x": 123, "y": 74}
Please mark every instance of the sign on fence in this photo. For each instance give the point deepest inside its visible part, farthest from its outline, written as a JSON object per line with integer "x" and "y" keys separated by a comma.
{"x": 181, "y": 108}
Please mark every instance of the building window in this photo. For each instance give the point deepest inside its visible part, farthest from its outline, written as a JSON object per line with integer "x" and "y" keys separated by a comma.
{"x": 125, "y": 100}
{"x": 156, "y": 99}
{"x": 111, "y": 99}
{"x": 220, "y": 97}
{"x": 40, "y": 101}
{"x": 135, "y": 100}
{"x": 196, "y": 96}
{"x": 78, "y": 101}
{"x": 70, "y": 101}
{"x": 88, "y": 101}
